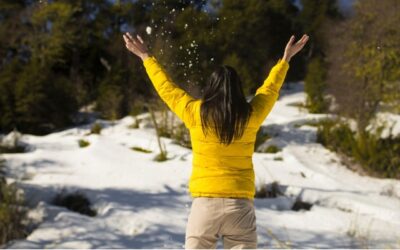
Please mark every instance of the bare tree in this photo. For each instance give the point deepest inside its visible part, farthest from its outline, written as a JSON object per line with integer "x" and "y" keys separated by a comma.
{"x": 364, "y": 60}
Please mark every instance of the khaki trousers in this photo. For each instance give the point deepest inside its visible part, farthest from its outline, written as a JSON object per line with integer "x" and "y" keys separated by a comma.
{"x": 232, "y": 218}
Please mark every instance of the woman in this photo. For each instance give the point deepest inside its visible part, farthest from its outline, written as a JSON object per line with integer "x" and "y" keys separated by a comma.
{"x": 223, "y": 127}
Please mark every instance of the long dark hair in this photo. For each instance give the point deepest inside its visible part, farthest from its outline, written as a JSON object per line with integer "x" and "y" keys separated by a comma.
{"x": 224, "y": 105}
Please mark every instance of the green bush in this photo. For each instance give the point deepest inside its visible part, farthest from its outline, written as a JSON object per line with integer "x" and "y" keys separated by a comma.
{"x": 164, "y": 131}
{"x": 76, "y": 201}
{"x": 140, "y": 149}
{"x": 261, "y": 137}
{"x": 136, "y": 109}
{"x": 135, "y": 124}
{"x": 96, "y": 128}
{"x": 272, "y": 149}
{"x": 299, "y": 105}
{"x": 34, "y": 98}
{"x": 83, "y": 143}
{"x": 16, "y": 149}
{"x": 181, "y": 136}
{"x": 261, "y": 192}
{"x": 336, "y": 136}
{"x": 14, "y": 146}
{"x": 110, "y": 98}
{"x": 12, "y": 213}
{"x": 161, "y": 157}
{"x": 179, "y": 133}
{"x": 2, "y": 172}
{"x": 315, "y": 86}
{"x": 380, "y": 156}
{"x": 271, "y": 190}
{"x": 301, "y": 205}
{"x": 308, "y": 123}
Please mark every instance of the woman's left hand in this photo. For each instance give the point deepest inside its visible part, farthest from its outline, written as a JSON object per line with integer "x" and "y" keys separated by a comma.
{"x": 292, "y": 48}
{"x": 136, "y": 45}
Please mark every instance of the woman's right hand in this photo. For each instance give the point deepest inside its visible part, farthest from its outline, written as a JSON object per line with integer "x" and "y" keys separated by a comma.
{"x": 292, "y": 48}
{"x": 136, "y": 45}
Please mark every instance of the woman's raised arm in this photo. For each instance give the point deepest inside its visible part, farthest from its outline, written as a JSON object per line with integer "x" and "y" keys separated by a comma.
{"x": 176, "y": 98}
{"x": 268, "y": 93}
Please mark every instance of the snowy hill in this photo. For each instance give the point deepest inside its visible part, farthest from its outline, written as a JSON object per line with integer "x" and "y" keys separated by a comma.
{"x": 145, "y": 204}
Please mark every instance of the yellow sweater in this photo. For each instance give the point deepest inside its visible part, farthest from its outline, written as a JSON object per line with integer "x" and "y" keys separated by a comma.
{"x": 219, "y": 170}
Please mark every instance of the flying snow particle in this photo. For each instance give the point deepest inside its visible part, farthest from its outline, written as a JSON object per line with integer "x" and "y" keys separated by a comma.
{"x": 212, "y": 59}
{"x": 148, "y": 30}
{"x": 186, "y": 25}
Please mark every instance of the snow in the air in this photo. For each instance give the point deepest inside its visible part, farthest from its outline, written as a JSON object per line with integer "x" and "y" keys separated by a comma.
{"x": 145, "y": 204}
{"x": 148, "y": 30}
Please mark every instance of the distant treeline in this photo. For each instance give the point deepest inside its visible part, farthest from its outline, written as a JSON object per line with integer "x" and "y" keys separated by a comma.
{"x": 60, "y": 56}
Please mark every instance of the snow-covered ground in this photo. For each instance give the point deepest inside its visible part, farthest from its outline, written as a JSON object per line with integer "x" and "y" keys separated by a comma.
{"x": 145, "y": 204}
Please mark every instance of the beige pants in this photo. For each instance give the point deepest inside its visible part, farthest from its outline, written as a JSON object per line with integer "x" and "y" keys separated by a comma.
{"x": 232, "y": 218}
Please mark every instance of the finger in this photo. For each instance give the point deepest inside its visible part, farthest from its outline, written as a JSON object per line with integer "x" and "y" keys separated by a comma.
{"x": 301, "y": 45}
{"x": 304, "y": 39}
{"x": 132, "y": 39}
{"x": 134, "y": 42}
{"x": 291, "y": 40}
{"x": 140, "y": 39}
{"x": 127, "y": 39}
{"x": 303, "y": 42}
{"x": 300, "y": 40}
{"x": 128, "y": 35}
